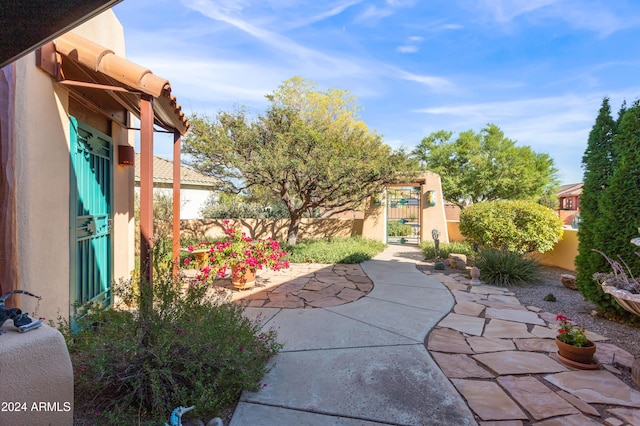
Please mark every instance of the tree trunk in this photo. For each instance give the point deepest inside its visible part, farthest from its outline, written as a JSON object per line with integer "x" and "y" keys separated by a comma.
{"x": 294, "y": 225}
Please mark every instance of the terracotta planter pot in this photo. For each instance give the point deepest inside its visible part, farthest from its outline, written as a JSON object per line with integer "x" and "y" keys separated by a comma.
{"x": 580, "y": 355}
{"x": 245, "y": 279}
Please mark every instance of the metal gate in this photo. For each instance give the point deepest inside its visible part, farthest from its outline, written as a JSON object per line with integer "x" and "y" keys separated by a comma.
{"x": 90, "y": 212}
{"x": 403, "y": 215}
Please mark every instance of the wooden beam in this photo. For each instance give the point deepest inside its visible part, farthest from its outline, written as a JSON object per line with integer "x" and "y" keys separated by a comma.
{"x": 176, "y": 202}
{"x": 146, "y": 188}
{"x": 9, "y": 265}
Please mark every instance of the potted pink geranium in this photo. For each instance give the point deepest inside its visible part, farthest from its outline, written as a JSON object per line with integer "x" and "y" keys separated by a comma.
{"x": 241, "y": 255}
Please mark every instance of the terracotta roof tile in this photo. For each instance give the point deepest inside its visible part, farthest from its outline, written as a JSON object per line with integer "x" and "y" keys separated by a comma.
{"x": 105, "y": 67}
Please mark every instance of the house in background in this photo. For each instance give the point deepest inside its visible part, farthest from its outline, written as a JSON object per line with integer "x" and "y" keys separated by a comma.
{"x": 67, "y": 217}
{"x": 569, "y": 203}
{"x": 196, "y": 189}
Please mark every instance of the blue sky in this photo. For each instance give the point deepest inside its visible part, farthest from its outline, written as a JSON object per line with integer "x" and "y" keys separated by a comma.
{"x": 537, "y": 68}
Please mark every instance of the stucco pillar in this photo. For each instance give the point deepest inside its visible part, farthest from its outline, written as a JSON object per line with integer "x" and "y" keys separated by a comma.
{"x": 9, "y": 266}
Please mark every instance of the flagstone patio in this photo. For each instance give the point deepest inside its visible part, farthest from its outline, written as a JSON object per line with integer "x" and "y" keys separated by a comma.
{"x": 502, "y": 359}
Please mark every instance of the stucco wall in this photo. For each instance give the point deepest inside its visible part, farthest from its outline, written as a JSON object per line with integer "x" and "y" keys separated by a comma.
{"x": 564, "y": 252}
{"x": 276, "y": 229}
{"x": 43, "y": 178}
{"x": 42, "y": 162}
{"x": 562, "y": 255}
{"x": 433, "y": 217}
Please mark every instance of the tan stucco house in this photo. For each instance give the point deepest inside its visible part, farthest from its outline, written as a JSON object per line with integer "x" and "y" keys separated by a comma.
{"x": 67, "y": 216}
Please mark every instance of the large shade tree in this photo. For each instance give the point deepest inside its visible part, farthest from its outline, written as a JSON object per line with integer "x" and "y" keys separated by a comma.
{"x": 309, "y": 149}
{"x": 486, "y": 166}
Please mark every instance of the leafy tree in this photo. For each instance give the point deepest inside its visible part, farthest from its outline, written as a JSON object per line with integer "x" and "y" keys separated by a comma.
{"x": 515, "y": 226}
{"x": 594, "y": 230}
{"x": 309, "y": 149}
{"x": 620, "y": 206}
{"x": 486, "y": 166}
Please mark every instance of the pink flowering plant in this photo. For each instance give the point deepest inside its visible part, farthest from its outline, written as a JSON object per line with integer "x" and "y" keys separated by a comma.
{"x": 239, "y": 252}
{"x": 570, "y": 333}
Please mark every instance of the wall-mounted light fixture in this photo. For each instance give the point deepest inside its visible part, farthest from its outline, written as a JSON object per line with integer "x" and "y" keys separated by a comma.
{"x": 126, "y": 155}
{"x": 431, "y": 198}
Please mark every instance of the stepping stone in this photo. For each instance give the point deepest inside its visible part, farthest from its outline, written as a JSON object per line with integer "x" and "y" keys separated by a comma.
{"x": 459, "y": 366}
{"x": 488, "y": 400}
{"x": 463, "y": 296}
{"x": 540, "y": 401}
{"x": 488, "y": 290}
{"x": 514, "y": 315}
{"x": 326, "y": 302}
{"x": 578, "y": 403}
{"x": 468, "y": 308}
{"x": 447, "y": 340}
{"x": 548, "y": 317}
{"x": 503, "y": 423}
{"x": 536, "y": 345}
{"x": 544, "y": 332}
{"x": 314, "y": 285}
{"x": 501, "y": 305}
{"x": 594, "y": 337}
{"x": 310, "y": 296}
{"x": 607, "y": 353}
{"x": 454, "y": 285}
{"x": 630, "y": 416}
{"x": 507, "y": 329}
{"x": 510, "y": 300}
{"x": 364, "y": 287}
{"x": 518, "y": 362}
{"x": 574, "y": 420}
{"x": 463, "y": 323}
{"x": 292, "y": 303}
{"x": 358, "y": 278}
{"x": 596, "y": 387}
{"x": 349, "y": 295}
{"x": 489, "y": 344}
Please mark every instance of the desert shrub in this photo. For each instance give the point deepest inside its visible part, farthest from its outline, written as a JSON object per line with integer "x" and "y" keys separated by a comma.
{"x": 507, "y": 268}
{"x": 333, "y": 250}
{"x": 515, "y": 226}
{"x": 429, "y": 249}
{"x": 192, "y": 348}
{"x": 397, "y": 229}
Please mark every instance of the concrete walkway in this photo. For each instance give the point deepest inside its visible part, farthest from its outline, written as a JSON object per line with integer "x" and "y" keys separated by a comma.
{"x": 360, "y": 363}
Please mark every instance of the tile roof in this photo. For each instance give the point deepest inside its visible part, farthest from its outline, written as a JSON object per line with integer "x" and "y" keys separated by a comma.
{"x": 163, "y": 173}
{"x": 573, "y": 189}
{"x": 87, "y": 60}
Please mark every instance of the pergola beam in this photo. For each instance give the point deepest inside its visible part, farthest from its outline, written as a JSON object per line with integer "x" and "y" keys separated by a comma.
{"x": 176, "y": 202}
{"x": 146, "y": 188}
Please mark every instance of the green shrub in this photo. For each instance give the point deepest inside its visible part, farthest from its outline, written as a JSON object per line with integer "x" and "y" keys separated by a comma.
{"x": 507, "y": 268}
{"x": 429, "y": 249}
{"x": 190, "y": 349}
{"x": 516, "y": 226}
{"x": 397, "y": 229}
{"x": 333, "y": 250}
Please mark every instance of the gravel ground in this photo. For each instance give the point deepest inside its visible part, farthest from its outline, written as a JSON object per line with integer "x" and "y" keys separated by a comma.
{"x": 570, "y": 303}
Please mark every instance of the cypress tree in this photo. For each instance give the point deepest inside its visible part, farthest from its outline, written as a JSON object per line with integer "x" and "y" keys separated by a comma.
{"x": 597, "y": 163}
{"x": 619, "y": 208}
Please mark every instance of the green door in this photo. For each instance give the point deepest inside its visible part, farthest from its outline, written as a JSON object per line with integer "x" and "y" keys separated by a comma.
{"x": 91, "y": 192}
{"x": 403, "y": 215}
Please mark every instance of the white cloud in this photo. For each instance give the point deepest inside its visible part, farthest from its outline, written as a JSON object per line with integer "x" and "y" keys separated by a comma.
{"x": 407, "y": 49}
{"x": 506, "y": 10}
{"x": 374, "y": 14}
{"x": 436, "y": 83}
